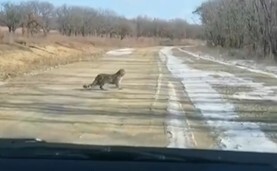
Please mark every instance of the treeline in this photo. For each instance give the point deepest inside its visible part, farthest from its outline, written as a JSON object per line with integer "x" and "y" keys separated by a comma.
{"x": 37, "y": 16}
{"x": 248, "y": 24}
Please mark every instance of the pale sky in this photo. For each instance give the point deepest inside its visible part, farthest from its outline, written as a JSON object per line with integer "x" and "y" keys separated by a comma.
{"x": 165, "y": 9}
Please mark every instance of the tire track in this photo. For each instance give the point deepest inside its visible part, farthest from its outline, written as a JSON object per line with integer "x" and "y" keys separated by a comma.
{"x": 179, "y": 132}
{"x": 217, "y": 111}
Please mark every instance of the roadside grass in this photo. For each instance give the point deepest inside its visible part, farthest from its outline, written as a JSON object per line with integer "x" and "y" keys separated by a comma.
{"x": 231, "y": 54}
{"x": 18, "y": 61}
{"x": 20, "y": 55}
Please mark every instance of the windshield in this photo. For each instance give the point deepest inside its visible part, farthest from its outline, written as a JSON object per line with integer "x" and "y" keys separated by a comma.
{"x": 170, "y": 74}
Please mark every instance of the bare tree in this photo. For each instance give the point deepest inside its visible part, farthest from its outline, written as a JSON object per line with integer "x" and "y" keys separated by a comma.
{"x": 10, "y": 16}
{"x": 36, "y": 16}
{"x": 45, "y": 13}
{"x": 124, "y": 28}
{"x": 39, "y": 16}
{"x": 241, "y": 23}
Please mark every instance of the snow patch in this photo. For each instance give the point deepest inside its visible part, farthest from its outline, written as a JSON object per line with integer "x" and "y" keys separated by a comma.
{"x": 119, "y": 52}
{"x": 2, "y": 83}
{"x": 177, "y": 129}
{"x": 259, "y": 91}
{"x": 241, "y": 136}
{"x": 271, "y": 68}
{"x": 242, "y": 65}
{"x": 246, "y": 136}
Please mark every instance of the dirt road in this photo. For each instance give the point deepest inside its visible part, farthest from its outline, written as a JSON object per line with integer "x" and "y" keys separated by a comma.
{"x": 169, "y": 98}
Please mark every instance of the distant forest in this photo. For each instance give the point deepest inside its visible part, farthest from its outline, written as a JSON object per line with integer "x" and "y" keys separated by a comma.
{"x": 34, "y": 16}
{"x": 248, "y": 24}
{"x": 239, "y": 24}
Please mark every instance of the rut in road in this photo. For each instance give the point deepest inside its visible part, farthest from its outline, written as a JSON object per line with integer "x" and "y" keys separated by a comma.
{"x": 177, "y": 129}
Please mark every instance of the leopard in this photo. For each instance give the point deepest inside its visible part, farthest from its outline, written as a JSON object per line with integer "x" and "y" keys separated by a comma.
{"x": 103, "y": 78}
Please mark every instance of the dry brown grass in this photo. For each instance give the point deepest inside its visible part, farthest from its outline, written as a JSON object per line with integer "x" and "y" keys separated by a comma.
{"x": 22, "y": 61}
{"x": 18, "y": 58}
{"x": 93, "y": 41}
{"x": 75, "y": 41}
{"x": 19, "y": 55}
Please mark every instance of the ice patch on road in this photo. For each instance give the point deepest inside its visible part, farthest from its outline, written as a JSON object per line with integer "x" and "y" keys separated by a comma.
{"x": 242, "y": 136}
{"x": 119, "y": 52}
